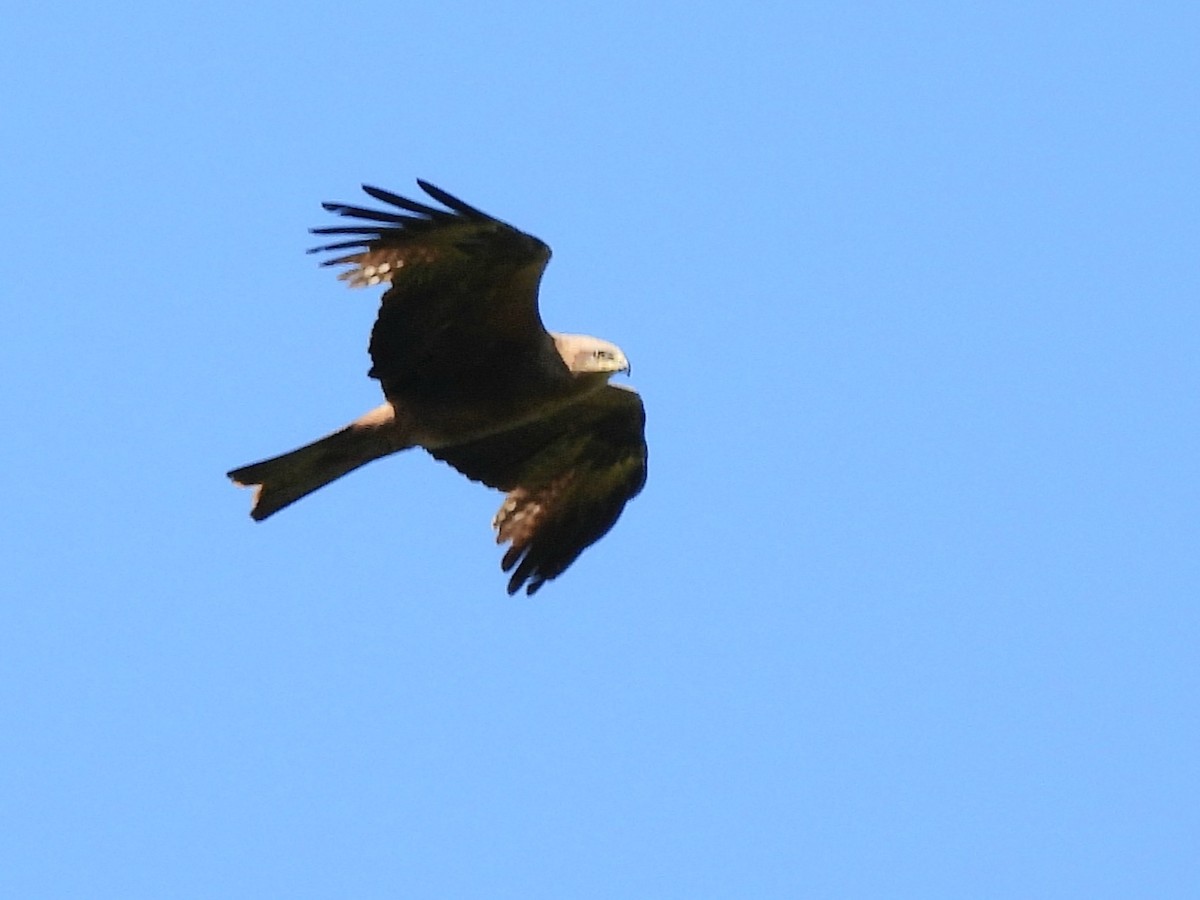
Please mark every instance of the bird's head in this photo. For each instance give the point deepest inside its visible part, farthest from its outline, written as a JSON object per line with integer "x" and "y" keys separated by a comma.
{"x": 588, "y": 355}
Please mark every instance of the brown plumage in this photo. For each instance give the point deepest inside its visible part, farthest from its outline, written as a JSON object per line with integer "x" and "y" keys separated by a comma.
{"x": 470, "y": 374}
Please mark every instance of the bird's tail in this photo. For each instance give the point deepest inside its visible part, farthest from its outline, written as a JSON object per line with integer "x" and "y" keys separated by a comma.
{"x": 285, "y": 479}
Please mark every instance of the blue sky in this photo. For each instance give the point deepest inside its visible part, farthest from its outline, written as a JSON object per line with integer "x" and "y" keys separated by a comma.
{"x": 908, "y": 607}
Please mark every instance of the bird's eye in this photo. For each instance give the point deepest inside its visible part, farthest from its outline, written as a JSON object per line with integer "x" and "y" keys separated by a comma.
{"x": 604, "y": 354}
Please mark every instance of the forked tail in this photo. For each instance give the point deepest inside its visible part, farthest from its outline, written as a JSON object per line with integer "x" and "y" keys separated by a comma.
{"x": 284, "y": 479}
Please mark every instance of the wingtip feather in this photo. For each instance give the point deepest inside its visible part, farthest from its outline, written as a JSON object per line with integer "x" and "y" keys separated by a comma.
{"x": 452, "y": 202}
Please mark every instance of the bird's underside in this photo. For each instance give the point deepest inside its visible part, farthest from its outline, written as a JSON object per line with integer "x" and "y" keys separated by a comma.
{"x": 470, "y": 374}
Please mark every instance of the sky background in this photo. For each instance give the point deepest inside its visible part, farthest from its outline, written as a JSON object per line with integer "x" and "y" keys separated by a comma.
{"x": 909, "y": 605}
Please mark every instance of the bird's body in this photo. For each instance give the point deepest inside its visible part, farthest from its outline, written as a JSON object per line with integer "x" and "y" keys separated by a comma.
{"x": 470, "y": 374}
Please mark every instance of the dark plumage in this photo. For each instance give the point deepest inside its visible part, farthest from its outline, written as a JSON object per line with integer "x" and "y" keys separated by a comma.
{"x": 470, "y": 374}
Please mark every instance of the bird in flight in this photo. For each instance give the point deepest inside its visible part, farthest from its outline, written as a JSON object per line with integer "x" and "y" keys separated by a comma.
{"x": 470, "y": 374}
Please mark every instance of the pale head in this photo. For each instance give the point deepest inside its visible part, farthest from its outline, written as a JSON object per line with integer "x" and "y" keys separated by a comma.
{"x": 585, "y": 354}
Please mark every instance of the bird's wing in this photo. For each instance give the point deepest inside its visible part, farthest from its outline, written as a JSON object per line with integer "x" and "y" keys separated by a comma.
{"x": 463, "y": 286}
{"x": 568, "y": 478}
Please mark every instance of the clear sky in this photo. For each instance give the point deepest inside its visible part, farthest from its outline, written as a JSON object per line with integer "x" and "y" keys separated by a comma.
{"x": 910, "y": 606}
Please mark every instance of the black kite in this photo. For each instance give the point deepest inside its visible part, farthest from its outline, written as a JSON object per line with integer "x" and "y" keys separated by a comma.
{"x": 470, "y": 374}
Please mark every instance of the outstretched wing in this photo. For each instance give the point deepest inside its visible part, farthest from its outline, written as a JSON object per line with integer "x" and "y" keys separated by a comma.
{"x": 568, "y": 478}
{"x": 463, "y": 286}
